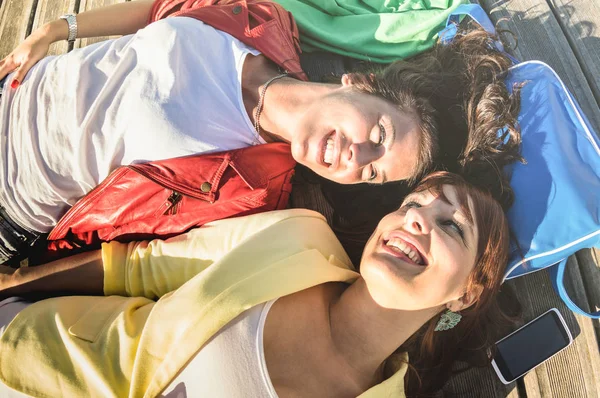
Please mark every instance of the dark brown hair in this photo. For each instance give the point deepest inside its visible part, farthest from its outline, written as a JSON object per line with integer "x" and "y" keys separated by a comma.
{"x": 457, "y": 93}
{"x": 432, "y": 354}
{"x": 461, "y": 91}
{"x": 489, "y": 113}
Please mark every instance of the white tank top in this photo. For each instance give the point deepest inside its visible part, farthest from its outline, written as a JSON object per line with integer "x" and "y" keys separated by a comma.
{"x": 231, "y": 364}
{"x": 172, "y": 89}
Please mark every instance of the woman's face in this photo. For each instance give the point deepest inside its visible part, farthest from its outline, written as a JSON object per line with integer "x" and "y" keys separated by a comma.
{"x": 421, "y": 256}
{"x": 351, "y": 137}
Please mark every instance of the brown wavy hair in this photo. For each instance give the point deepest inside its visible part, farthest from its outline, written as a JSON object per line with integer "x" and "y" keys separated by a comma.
{"x": 459, "y": 95}
{"x": 432, "y": 354}
{"x": 456, "y": 92}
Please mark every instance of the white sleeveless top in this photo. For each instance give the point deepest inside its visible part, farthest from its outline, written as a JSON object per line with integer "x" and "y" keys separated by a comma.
{"x": 172, "y": 89}
{"x": 231, "y": 364}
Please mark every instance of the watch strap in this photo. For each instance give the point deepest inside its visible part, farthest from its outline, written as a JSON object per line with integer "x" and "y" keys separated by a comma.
{"x": 72, "y": 22}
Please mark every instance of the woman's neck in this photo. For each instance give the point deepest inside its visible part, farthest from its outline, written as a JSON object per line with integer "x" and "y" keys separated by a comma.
{"x": 284, "y": 102}
{"x": 366, "y": 334}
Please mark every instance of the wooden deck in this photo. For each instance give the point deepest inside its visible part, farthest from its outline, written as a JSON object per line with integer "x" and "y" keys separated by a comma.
{"x": 566, "y": 35}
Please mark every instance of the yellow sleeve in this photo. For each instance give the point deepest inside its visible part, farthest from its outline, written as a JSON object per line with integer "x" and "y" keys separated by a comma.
{"x": 155, "y": 268}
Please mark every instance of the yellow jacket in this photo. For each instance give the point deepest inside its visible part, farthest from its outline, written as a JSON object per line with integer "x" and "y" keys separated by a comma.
{"x": 129, "y": 345}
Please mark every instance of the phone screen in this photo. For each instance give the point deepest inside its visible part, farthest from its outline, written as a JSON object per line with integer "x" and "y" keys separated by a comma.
{"x": 528, "y": 347}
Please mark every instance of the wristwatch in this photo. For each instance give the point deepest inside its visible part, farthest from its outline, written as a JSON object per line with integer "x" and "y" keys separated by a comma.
{"x": 72, "y": 21}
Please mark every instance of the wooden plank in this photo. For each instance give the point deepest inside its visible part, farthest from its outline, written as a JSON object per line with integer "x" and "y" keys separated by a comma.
{"x": 573, "y": 372}
{"x": 540, "y": 37}
{"x": 589, "y": 263}
{"x": 87, "y": 5}
{"x": 580, "y": 20}
{"x": 587, "y": 346}
{"x": 49, "y": 10}
{"x": 479, "y": 382}
{"x": 15, "y": 16}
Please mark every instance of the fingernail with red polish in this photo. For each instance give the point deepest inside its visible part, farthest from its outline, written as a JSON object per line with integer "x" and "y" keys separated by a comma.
{"x": 15, "y": 83}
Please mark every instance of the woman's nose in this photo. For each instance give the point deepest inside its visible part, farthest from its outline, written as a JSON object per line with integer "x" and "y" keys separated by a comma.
{"x": 417, "y": 221}
{"x": 361, "y": 154}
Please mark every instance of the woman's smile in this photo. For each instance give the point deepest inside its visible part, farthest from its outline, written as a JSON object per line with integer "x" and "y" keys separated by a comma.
{"x": 401, "y": 248}
{"x": 407, "y": 244}
{"x": 350, "y": 137}
{"x": 330, "y": 150}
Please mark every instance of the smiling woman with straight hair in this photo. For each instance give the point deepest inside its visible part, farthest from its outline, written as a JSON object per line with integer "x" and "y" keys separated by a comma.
{"x": 265, "y": 305}
{"x": 192, "y": 77}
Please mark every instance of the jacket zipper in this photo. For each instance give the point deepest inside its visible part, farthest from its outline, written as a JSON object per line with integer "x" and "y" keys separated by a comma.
{"x": 170, "y": 205}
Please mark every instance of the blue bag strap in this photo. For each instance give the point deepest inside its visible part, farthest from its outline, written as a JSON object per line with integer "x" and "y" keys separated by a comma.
{"x": 476, "y": 13}
{"x": 557, "y": 274}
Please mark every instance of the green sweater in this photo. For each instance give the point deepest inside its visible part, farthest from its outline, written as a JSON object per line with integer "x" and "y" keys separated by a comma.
{"x": 377, "y": 31}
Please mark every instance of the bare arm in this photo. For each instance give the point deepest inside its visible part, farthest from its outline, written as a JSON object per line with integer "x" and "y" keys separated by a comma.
{"x": 79, "y": 274}
{"x": 117, "y": 19}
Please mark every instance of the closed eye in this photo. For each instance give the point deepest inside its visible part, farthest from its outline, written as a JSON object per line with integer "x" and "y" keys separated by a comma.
{"x": 456, "y": 227}
{"x": 373, "y": 175}
{"x": 411, "y": 204}
{"x": 382, "y": 135}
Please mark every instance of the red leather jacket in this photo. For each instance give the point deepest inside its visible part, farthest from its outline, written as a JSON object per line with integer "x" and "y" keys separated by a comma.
{"x": 167, "y": 197}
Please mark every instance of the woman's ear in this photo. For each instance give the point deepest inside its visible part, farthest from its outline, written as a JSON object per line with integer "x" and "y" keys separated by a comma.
{"x": 467, "y": 299}
{"x": 471, "y": 296}
{"x": 346, "y": 80}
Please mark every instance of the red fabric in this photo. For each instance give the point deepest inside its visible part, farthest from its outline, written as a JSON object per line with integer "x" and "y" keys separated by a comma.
{"x": 261, "y": 24}
{"x": 168, "y": 197}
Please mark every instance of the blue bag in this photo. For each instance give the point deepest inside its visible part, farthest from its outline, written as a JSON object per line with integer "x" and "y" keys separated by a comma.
{"x": 557, "y": 192}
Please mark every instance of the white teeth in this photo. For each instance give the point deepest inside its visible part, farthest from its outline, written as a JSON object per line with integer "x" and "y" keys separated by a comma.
{"x": 328, "y": 157}
{"x": 400, "y": 245}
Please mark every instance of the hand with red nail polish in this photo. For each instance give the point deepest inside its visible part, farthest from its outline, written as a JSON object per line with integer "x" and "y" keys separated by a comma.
{"x": 24, "y": 56}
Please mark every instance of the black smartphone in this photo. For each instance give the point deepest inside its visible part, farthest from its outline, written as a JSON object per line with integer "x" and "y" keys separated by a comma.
{"x": 530, "y": 345}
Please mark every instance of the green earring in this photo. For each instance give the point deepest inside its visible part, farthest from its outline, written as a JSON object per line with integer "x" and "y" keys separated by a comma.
{"x": 448, "y": 320}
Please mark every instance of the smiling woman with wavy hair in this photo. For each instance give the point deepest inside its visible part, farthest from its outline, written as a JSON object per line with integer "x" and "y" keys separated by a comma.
{"x": 432, "y": 353}
{"x": 267, "y": 305}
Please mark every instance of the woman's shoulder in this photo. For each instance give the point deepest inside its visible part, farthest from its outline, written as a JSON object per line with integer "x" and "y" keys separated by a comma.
{"x": 270, "y": 218}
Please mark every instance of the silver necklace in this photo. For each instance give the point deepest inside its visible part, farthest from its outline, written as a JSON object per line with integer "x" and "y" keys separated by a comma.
{"x": 261, "y": 100}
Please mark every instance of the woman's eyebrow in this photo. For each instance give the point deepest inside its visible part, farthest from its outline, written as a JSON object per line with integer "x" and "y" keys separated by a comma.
{"x": 460, "y": 216}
